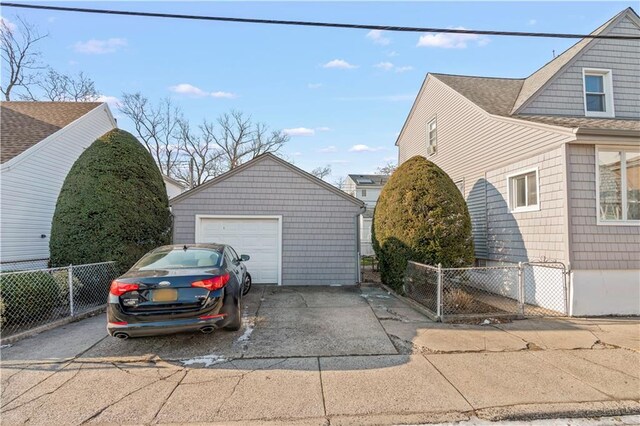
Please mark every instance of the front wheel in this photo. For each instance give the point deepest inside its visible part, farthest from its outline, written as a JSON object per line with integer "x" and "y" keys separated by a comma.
{"x": 247, "y": 284}
{"x": 236, "y": 320}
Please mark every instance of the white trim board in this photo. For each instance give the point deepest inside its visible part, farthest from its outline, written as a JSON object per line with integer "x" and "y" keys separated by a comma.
{"x": 198, "y": 221}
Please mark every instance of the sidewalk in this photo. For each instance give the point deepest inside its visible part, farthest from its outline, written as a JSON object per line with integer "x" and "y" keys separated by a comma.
{"x": 440, "y": 373}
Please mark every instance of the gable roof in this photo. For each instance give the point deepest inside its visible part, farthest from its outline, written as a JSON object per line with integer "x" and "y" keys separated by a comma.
{"x": 257, "y": 160}
{"x": 375, "y": 179}
{"x": 504, "y": 96}
{"x": 24, "y": 124}
{"x": 536, "y": 81}
{"x": 173, "y": 181}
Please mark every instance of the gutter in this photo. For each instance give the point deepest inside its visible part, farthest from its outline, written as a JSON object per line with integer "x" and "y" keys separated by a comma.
{"x": 606, "y": 132}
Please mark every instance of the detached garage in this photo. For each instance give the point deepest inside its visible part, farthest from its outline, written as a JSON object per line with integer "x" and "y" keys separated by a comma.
{"x": 298, "y": 229}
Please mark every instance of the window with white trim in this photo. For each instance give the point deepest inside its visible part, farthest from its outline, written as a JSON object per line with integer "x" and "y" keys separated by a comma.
{"x": 364, "y": 192}
{"x": 618, "y": 185}
{"x": 598, "y": 93}
{"x": 460, "y": 185}
{"x": 432, "y": 137}
{"x": 523, "y": 191}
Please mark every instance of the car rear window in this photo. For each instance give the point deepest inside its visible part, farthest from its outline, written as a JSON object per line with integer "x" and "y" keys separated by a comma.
{"x": 178, "y": 259}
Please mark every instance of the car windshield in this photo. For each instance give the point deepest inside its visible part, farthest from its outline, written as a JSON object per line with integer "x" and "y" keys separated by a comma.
{"x": 178, "y": 259}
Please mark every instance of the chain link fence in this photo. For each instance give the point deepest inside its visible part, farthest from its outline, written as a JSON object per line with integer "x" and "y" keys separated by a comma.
{"x": 34, "y": 298}
{"x": 524, "y": 289}
{"x": 24, "y": 265}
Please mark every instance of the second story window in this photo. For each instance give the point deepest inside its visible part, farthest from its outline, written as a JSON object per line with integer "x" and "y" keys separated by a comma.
{"x": 364, "y": 192}
{"x": 598, "y": 93}
{"x": 432, "y": 137}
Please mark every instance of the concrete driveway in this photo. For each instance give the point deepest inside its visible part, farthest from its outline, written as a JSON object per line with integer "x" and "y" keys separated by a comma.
{"x": 320, "y": 355}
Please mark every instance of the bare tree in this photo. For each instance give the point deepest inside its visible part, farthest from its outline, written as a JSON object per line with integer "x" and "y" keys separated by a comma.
{"x": 59, "y": 87}
{"x": 157, "y": 126}
{"x": 240, "y": 140}
{"x": 388, "y": 168}
{"x": 322, "y": 171}
{"x": 20, "y": 59}
{"x": 340, "y": 182}
{"x": 200, "y": 160}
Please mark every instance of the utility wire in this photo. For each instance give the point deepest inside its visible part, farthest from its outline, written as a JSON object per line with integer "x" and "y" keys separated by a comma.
{"x": 317, "y": 24}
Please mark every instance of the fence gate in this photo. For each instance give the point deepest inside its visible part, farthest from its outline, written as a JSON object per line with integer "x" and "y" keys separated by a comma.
{"x": 545, "y": 289}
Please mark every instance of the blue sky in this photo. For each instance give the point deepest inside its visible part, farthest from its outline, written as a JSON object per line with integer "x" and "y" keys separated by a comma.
{"x": 343, "y": 94}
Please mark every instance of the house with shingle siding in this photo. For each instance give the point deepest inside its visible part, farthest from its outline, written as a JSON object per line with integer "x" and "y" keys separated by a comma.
{"x": 40, "y": 141}
{"x": 549, "y": 164}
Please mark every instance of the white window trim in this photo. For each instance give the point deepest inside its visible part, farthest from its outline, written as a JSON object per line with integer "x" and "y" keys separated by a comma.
{"x": 532, "y": 208}
{"x": 607, "y": 81}
{"x": 198, "y": 224}
{"x": 599, "y": 221}
{"x": 429, "y": 145}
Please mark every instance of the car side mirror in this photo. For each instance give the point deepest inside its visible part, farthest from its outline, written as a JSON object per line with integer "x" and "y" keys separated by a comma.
{"x": 244, "y": 257}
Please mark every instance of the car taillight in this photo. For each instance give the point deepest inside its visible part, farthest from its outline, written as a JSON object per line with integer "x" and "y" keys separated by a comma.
{"x": 118, "y": 288}
{"x": 212, "y": 284}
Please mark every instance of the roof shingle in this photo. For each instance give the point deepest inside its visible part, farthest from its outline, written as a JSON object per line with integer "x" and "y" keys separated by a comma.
{"x": 24, "y": 124}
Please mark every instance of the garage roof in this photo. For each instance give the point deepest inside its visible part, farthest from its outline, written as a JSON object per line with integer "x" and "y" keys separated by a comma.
{"x": 257, "y": 160}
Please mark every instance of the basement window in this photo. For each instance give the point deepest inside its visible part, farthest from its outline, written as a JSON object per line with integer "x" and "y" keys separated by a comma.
{"x": 523, "y": 191}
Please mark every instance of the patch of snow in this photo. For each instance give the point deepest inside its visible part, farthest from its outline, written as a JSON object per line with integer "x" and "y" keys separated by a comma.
{"x": 247, "y": 332}
{"x": 486, "y": 322}
{"x": 380, "y": 296}
{"x": 5, "y": 346}
{"x": 207, "y": 360}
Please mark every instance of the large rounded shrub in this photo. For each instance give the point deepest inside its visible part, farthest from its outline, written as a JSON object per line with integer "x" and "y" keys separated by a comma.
{"x": 420, "y": 216}
{"x": 113, "y": 205}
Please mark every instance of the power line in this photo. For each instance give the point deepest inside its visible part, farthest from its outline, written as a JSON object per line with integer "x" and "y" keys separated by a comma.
{"x": 317, "y": 24}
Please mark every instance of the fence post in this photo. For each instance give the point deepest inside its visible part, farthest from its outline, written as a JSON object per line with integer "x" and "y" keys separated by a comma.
{"x": 70, "y": 280}
{"x": 521, "y": 300}
{"x": 439, "y": 295}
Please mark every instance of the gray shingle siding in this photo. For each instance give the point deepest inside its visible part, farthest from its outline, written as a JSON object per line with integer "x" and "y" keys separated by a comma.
{"x": 595, "y": 246}
{"x": 319, "y": 227}
{"x": 528, "y": 236}
{"x": 565, "y": 94}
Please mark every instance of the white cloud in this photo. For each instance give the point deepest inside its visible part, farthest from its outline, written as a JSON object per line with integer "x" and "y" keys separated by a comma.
{"x": 220, "y": 94}
{"x": 377, "y": 37}
{"x": 191, "y": 90}
{"x": 314, "y": 85}
{"x": 450, "y": 40}
{"x": 322, "y": 129}
{"x": 297, "y": 154}
{"x": 97, "y": 47}
{"x": 404, "y": 68}
{"x": 532, "y": 21}
{"x": 328, "y": 149}
{"x": 7, "y": 23}
{"x": 384, "y": 65}
{"x": 111, "y": 100}
{"x": 339, "y": 64}
{"x": 339, "y": 161}
{"x": 393, "y": 54}
{"x": 187, "y": 89}
{"x": 363, "y": 148}
{"x": 299, "y": 131}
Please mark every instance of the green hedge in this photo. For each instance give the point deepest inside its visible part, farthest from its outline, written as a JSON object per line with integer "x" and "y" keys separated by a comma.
{"x": 113, "y": 205}
{"x": 421, "y": 216}
{"x": 28, "y": 297}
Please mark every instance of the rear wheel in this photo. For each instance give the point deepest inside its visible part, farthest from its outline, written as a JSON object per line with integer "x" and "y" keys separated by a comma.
{"x": 247, "y": 284}
{"x": 236, "y": 319}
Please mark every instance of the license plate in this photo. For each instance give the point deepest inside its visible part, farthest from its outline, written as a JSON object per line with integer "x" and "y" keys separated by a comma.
{"x": 165, "y": 295}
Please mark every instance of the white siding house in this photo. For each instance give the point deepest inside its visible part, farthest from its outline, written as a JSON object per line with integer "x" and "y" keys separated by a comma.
{"x": 366, "y": 188}
{"x": 174, "y": 188}
{"x": 549, "y": 164}
{"x": 40, "y": 143}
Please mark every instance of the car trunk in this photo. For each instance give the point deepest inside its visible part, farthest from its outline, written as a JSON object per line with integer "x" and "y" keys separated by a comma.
{"x": 161, "y": 293}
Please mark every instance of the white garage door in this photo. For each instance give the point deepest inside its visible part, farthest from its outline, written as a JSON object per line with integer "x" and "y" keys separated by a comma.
{"x": 258, "y": 237}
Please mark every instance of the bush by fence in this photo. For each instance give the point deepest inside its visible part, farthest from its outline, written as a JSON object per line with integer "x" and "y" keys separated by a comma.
{"x": 32, "y": 298}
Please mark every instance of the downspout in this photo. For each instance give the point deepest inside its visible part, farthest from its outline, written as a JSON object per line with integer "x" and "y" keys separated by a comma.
{"x": 363, "y": 209}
